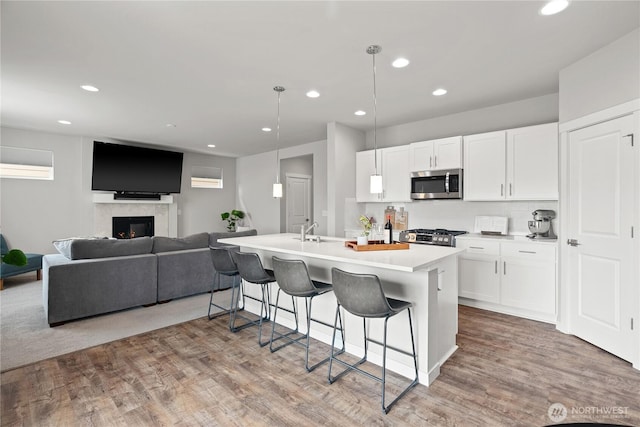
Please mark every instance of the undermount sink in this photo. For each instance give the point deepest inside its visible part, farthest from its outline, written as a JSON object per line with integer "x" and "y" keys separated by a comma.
{"x": 309, "y": 238}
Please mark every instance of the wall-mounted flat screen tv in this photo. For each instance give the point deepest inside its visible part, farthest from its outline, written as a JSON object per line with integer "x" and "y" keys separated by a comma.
{"x": 135, "y": 170}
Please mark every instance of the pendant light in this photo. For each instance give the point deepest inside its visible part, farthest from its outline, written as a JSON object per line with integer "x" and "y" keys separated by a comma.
{"x": 277, "y": 187}
{"x": 375, "y": 183}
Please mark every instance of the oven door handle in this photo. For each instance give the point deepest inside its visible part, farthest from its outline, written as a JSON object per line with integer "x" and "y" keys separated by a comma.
{"x": 446, "y": 183}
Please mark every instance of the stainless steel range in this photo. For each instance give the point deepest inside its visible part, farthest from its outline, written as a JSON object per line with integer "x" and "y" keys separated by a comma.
{"x": 426, "y": 236}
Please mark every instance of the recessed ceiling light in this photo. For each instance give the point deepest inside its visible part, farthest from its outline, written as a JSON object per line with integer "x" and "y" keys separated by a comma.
{"x": 313, "y": 94}
{"x": 400, "y": 63}
{"x": 360, "y": 113}
{"x": 170, "y": 125}
{"x": 266, "y": 129}
{"x": 554, "y": 6}
{"x": 439, "y": 92}
{"x": 90, "y": 88}
{"x": 211, "y": 145}
{"x": 64, "y": 122}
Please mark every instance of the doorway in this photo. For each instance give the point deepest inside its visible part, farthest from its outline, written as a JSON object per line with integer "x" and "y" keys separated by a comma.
{"x": 296, "y": 205}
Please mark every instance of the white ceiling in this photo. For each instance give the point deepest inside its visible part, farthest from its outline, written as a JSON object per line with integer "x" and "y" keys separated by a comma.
{"x": 209, "y": 67}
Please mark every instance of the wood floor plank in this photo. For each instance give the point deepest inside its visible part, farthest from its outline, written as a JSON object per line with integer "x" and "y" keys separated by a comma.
{"x": 507, "y": 371}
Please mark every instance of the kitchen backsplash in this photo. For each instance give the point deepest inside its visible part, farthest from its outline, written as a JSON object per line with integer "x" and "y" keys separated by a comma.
{"x": 454, "y": 214}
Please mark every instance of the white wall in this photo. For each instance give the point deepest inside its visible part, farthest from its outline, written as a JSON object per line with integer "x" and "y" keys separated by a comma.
{"x": 255, "y": 176}
{"x": 342, "y": 144}
{"x": 33, "y": 213}
{"x": 532, "y": 111}
{"x": 606, "y": 78}
{"x": 200, "y": 208}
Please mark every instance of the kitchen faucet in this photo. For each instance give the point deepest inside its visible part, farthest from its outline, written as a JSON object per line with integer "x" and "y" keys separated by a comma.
{"x": 303, "y": 232}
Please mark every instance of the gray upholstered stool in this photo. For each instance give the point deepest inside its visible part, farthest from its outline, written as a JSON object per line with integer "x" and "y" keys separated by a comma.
{"x": 251, "y": 271}
{"x": 362, "y": 296}
{"x": 294, "y": 280}
{"x": 224, "y": 266}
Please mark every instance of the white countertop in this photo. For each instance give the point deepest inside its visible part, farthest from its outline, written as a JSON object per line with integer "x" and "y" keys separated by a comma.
{"x": 508, "y": 238}
{"x": 417, "y": 257}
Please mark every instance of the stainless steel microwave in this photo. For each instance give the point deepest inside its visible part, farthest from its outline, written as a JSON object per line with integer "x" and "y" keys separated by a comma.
{"x": 440, "y": 184}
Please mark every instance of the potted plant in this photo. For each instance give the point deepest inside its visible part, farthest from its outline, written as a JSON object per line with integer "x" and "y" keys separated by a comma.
{"x": 232, "y": 218}
{"x": 366, "y": 222}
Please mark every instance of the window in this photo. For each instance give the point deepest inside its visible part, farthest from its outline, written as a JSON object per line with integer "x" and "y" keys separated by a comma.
{"x": 206, "y": 177}
{"x": 26, "y": 163}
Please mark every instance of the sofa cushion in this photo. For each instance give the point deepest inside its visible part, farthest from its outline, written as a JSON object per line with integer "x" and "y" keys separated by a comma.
{"x": 170, "y": 244}
{"x": 64, "y": 245}
{"x": 106, "y": 248}
{"x": 213, "y": 237}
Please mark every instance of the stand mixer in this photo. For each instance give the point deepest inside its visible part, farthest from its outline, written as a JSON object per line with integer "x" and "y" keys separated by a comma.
{"x": 540, "y": 226}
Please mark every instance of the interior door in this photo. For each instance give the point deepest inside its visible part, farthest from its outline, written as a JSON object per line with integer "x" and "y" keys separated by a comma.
{"x": 601, "y": 205}
{"x": 298, "y": 202}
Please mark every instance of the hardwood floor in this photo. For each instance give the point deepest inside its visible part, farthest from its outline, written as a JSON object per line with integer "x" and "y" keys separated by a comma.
{"x": 507, "y": 371}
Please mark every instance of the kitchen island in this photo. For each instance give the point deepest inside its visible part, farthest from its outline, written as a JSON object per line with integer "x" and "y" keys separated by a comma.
{"x": 424, "y": 275}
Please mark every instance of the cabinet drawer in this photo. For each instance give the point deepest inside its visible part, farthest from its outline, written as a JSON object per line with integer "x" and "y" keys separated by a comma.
{"x": 529, "y": 251}
{"x": 479, "y": 246}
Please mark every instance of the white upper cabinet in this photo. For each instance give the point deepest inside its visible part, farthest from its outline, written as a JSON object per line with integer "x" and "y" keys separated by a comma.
{"x": 396, "y": 179}
{"x": 393, "y": 165}
{"x": 532, "y": 163}
{"x": 365, "y": 167}
{"x": 516, "y": 164}
{"x": 484, "y": 166}
{"x": 445, "y": 153}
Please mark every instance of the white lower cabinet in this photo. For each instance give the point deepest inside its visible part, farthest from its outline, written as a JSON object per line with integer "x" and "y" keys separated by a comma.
{"x": 517, "y": 278}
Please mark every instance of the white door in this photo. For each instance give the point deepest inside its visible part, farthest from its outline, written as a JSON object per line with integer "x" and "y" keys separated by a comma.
{"x": 298, "y": 202}
{"x": 601, "y": 204}
{"x": 421, "y": 156}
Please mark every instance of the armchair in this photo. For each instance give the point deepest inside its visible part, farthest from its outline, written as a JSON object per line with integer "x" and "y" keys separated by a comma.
{"x": 34, "y": 263}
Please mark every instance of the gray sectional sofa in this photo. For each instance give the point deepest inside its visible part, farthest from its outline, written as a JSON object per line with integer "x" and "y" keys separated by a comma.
{"x": 96, "y": 276}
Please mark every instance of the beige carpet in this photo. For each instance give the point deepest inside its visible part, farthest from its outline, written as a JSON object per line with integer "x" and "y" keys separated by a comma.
{"x": 25, "y": 336}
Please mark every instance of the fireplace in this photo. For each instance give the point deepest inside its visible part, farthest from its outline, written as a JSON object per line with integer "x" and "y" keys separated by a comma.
{"x": 129, "y": 227}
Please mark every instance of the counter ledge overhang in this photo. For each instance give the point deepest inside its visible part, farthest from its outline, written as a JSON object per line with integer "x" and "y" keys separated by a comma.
{"x": 417, "y": 257}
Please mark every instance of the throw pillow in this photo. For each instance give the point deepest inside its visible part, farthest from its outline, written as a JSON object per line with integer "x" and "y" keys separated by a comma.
{"x": 170, "y": 244}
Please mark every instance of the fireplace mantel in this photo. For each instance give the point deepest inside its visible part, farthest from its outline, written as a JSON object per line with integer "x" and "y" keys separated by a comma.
{"x": 164, "y": 211}
{"x": 109, "y": 198}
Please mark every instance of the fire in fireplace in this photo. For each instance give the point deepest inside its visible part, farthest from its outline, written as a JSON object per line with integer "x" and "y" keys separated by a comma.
{"x": 129, "y": 227}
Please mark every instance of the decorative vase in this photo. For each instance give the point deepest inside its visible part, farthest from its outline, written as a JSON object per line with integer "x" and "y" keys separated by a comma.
{"x": 362, "y": 240}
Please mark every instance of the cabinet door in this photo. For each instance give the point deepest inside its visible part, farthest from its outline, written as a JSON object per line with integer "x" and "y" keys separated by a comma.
{"x": 478, "y": 278}
{"x": 421, "y": 156}
{"x": 529, "y": 285}
{"x": 395, "y": 174}
{"x": 447, "y": 153}
{"x": 532, "y": 163}
{"x": 484, "y": 162}
{"x": 364, "y": 169}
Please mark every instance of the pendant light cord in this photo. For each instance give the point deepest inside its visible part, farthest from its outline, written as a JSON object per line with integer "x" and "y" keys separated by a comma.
{"x": 375, "y": 117}
{"x": 278, "y": 143}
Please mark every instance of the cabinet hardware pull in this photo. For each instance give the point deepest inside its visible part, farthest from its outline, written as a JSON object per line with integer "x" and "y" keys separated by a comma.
{"x": 496, "y": 266}
{"x": 476, "y": 247}
{"x": 528, "y": 252}
{"x": 510, "y": 192}
{"x": 435, "y": 161}
{"x": 504, "y": 267}
{"x": 502, "y": 189}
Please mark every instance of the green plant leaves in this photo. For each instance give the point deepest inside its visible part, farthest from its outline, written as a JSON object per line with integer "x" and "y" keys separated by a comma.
{"x": 15, "y": 257}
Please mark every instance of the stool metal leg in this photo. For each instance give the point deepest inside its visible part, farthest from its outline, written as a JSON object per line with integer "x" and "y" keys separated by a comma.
{"x": 382, "y": 379}
{"x": 225, "y": 310}
{"x": 287, "y": 335}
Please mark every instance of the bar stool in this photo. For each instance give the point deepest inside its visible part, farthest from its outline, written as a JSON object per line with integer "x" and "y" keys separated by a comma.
{"x": 362, "y": 296}
{"x": 224, "y": 266}
{"x": 251, "y": 271}
{"x": 294, "y": 280}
